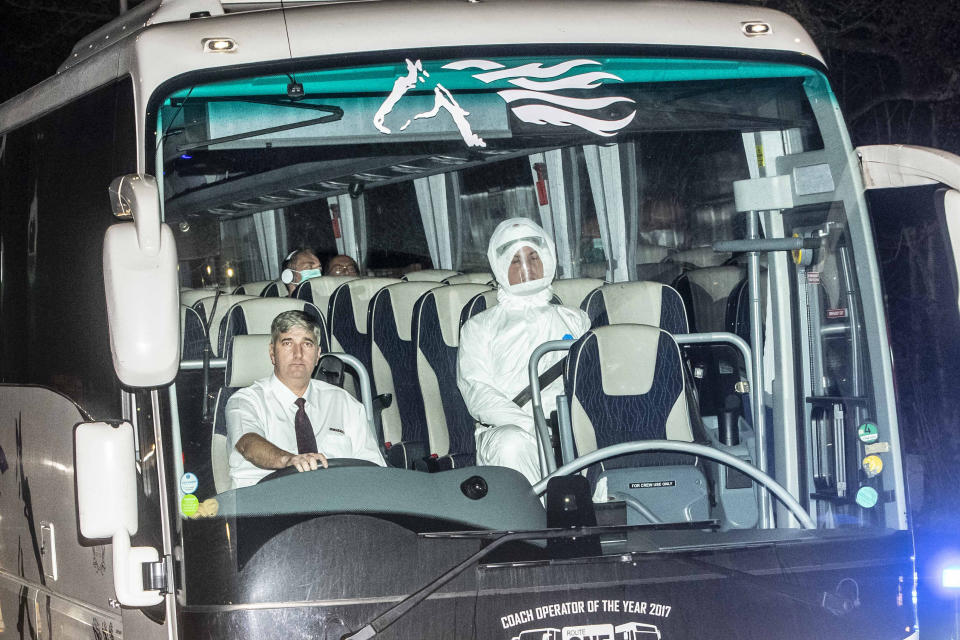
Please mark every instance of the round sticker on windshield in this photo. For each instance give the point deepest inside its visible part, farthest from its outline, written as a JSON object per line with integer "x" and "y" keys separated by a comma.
{"x": 867, "y": 497}
{"x": 868, "y": 432}
{"x": 189, "y": 505}
{"x": 872, "y": 466}
{"x": 188, "y": 483}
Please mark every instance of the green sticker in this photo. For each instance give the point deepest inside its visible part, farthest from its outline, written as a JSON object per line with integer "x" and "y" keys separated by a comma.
{"x": 868, "y": 432}
{"x": 867, "y": 497}
{"x": 189, "y": 504}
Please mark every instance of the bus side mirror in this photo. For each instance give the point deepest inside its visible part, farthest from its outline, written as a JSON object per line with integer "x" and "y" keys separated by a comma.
{"x": 107, "y": 504}
{"x": 140, "y": 280}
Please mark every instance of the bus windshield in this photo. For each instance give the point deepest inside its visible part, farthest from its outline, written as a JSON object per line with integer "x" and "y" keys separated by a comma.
{"x": 669, "y": 171}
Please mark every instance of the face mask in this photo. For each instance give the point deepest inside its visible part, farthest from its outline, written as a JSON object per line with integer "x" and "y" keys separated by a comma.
{"x": 286, "y": 276}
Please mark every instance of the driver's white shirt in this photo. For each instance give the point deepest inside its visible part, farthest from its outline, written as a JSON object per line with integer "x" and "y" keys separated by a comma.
{"x": 268, "y": 408}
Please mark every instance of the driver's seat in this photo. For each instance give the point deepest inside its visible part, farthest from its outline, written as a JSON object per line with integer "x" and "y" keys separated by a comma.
{"x": 248, "y": 360}
{"x": 625, "y": 383}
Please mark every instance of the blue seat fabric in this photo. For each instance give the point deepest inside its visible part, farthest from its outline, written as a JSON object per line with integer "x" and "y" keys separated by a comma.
{"x": 673, "y": 317}
{"x": 619, "y": 419}
{"x": 343, "y": 327}
{"x": 238, "y": 327}
{"x": 443, "y": 361}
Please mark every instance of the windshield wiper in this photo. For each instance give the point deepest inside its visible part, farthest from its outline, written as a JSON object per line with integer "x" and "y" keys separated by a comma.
{"x": 394, "y": 613}
{"x": 335, "y": 114}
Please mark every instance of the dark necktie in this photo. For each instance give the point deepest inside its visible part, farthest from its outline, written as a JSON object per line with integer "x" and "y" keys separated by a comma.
{"x": 306, "y": 441}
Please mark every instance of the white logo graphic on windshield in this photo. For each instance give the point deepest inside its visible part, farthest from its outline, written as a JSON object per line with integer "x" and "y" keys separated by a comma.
{"x": 537, "y": 87}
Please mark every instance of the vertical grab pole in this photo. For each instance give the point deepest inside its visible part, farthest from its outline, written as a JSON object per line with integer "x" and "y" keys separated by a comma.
{"x": 756, "y": 365}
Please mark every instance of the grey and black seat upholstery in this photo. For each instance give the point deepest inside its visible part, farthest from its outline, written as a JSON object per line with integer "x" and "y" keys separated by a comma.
{"x": 436, "y": 327}
{"x": 649, "y": 303}
{"x": 349, "y": 315}
{"x": 393, "y": 361}
{"x": 248, "y": 360}
{"x": 263, "y": 288}
{"x": 482, "y": 277}
{"x": 189, "y": 297}
{"x": 624, "y": 383}
{"x": 213, "y": 311}
{"x": 478, "y": 304}
{"x": 573, "y": 291}
{"x": 318, "y": 291}
{"x": 738, "y": 306}
{"x": 256, "y": 316}
{"x": 707, "y": 293}
{"x": 192, "y": 334}
{"x": 430, "y": 275}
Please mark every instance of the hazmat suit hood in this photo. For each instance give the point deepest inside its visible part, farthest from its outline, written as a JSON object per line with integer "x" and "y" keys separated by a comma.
{"x": 508, "y": 238}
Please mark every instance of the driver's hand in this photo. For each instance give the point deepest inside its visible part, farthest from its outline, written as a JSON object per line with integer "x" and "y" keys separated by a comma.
{"x": 307, "y": 461}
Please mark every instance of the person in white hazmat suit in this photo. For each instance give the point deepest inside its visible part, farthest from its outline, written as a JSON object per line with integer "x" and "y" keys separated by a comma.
{"x": 495, "y": 346}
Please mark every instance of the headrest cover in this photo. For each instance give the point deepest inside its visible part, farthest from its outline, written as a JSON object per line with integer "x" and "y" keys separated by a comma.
{"x": 248, "y": 360}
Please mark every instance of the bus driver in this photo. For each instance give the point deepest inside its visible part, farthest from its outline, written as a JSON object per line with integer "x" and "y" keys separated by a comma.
{"x": 290, "y": 419}
{"x": 495, "y": 346}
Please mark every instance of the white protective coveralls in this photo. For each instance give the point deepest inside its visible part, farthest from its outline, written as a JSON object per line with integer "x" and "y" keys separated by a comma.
{"x": 495, "y": 349}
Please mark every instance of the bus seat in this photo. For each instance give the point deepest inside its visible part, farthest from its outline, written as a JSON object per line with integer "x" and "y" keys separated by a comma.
{"x": 430, "y": 275}
{"x": 573, "y": 291}
{"x": 436, "y": 326}
{"x": 472, "y": 278}
{"x": 349, "y": 311}
{"x": 190, "y": 297}
{"x": 665, "y": 272}
{"x": 699, "y": 257}
{"x": 192, "y": 334}
{"x": 649, "y": 303}
{"x": 477, "y": 304}
{"x": 248, "y": 360}
{"x": 318, "y": 291}
{"x": 637, "y": 371}
{"x": 217, "y": 307}
{"x": 392, "y": 362}
{"x": 263, "y": 288}
{"x": 256, "y": 316}
{"x": 706, "y": 292}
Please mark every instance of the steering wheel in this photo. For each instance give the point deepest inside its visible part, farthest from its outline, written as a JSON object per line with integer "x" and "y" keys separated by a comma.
{"x": 332, "y": 463}
{"x": 677, "y": 446}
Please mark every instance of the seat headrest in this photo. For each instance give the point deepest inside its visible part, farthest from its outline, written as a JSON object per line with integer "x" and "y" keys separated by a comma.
{"x": 573, "y": 291}
{"x": 248, "y": 360}
{"x": 482, "y": 277}
{"x": 190, "y": 297}
{"x": 450, "y": 301}
{"x": 259, "y": 313}
{"x": 206, "y": 306}
{"x": 403, "y": 296}
{"x": 318, "y": 290}
{"x": 649, "y": 303}
{"x": 717, "y": 282}
{"x": 254, "y": 288}
{"x": 430, "y": 275}
{"x": 361, "y": 291}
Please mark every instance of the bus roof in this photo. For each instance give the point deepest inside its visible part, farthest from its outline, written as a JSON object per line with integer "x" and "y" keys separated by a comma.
{"x": 169, "y": 41}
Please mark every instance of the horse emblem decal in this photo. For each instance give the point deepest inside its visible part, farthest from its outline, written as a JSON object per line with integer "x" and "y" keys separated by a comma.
{"x": 538, "y": 89}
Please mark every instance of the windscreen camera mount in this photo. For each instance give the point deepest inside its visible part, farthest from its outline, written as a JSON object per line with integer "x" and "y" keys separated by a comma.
{"x": 295, "y": 90}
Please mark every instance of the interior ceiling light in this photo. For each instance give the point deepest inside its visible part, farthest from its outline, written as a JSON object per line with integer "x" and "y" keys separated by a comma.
{"x": 752, "y": 29}
{"x": 219, "y": 45}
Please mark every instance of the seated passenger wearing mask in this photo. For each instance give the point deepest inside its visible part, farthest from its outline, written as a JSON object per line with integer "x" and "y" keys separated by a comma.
{"x": 290, "y": 419}
{"x": 300, "y": 265}
{"x": 495, "y": 346}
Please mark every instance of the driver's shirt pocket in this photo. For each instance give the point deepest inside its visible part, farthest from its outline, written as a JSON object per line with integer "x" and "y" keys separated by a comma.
{"x": 335, "y": 443}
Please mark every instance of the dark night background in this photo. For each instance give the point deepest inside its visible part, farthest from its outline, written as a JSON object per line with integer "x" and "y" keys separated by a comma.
{"x": 895, "y": 67}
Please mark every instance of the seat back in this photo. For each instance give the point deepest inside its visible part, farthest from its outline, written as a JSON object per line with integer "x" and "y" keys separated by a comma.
{"x": 471, "y": 278}
{"x": 349, "y": 311}
{"x": 213, "y": 312}
{"x": 189, "y": 297}
{"x": 707, "y": 292}
{"x": 319, "y": 290}
{"x": 393, "y": 359}
{"x": 649, "y": 303}
{"x": 738, "y": 306}
{"x": 699, "y": 257}
{"x": 262, "y": 288}
{"x": 627, "y": 371}
{"x": 573, "y": 291}
{"x": 192, "y": 334}
{"x": 436, "y": 327}
{"x": 430, "y": 275}
{"x": 665, "y": 272}
{"x": 477, "y": 304}
{"x": 256, "y": 316}
{"x": 248, "y": 360}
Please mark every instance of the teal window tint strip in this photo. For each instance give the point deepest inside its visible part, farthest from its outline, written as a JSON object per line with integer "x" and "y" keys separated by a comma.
{"x": 378, "y": 79}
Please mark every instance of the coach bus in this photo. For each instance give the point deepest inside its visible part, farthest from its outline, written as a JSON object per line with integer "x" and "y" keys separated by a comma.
{"x": 693, "y": 168}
